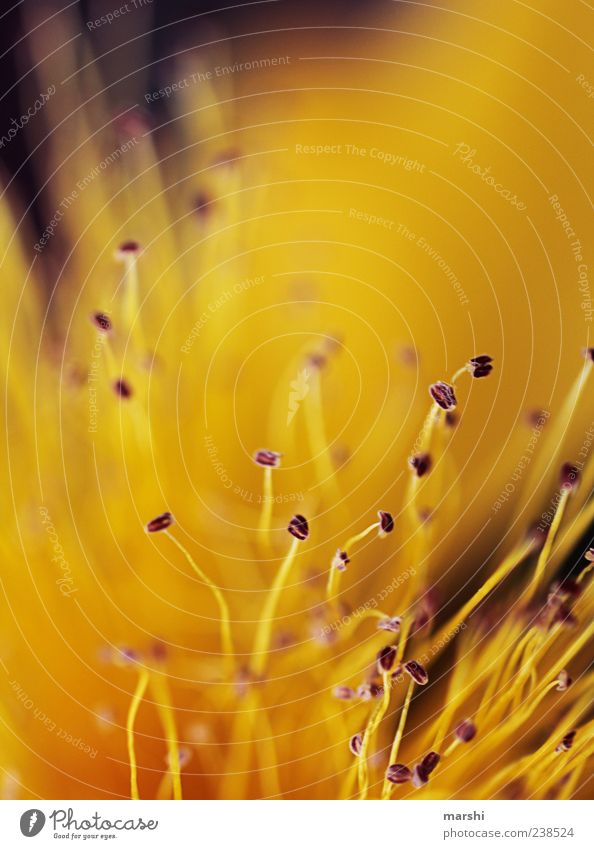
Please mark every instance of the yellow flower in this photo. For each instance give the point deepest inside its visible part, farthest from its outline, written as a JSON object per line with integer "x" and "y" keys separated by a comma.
{"x": 322, "y": 282}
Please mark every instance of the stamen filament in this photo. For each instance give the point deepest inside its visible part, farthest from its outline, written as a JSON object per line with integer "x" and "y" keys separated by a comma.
{"x": 143, "y": 679}
{"x": 225, "y": 625}
{"x": 388, "y": 786}
{"x": 164, "y": 708}
{"x": 264, "y": 631}
{"x": 333, "y": 573}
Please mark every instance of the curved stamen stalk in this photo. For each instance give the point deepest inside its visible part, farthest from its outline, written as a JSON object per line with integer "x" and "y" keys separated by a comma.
{"x": 268, "y": 460}
{"x": 161, "y": 524}
{"x": 388, "y": 786}
{"x": 300, "y": 531}
{"x": 143, "y": 679}
{"x": 376, "y": 717}
{"x": 164, "y": 707}
{"x": 384, "y": 526}
{"x": 569, "y": 479}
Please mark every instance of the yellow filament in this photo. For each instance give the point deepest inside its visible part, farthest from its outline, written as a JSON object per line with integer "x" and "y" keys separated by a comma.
{"x": 264, "y": 630}
{"x": 317, "y": 437}
{"x": 266, "y": 514}
{"x": 226, "y": 639}
{"x": 163, "y": 696}
{"x": 139, "y": 692}
{"x": 543, "y": 558}
{"x": 513, "y": 559}
{"x": 334, "y": 573}
{"x": 387, "y": 788}
{"x": 374, "y": 721}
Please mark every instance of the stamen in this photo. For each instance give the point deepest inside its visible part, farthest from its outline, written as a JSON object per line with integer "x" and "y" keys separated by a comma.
{"x": 344, "y": 693}
{"x": 443, "y": 395}
{"x": 387, "y": 788}
{"x": 386, "y": 658}
{"x": 566, "y": 743}
{"x": 386, "y": 523}
{"x": 356, "y": 744}
{"x": 299, "y": 529}
{"x": 420, "y": 464}
{"x": 466, "y": 731}
{"x": 480, "y": 366}
{"x": 269, "y": 460}
{"x": 398, "y": 774}
{"x": 390, "y": 624}
{"x": 101, "y": 321}
{"x": 384, "y": 526}
{"x": 417, "y": 672}
{"x": 564, "y": 681}
{"x": 139, "y": 692}
{"x": 166, "y": 713}
{"x": 162, "y": 523}
{"x": 122, "y": 388}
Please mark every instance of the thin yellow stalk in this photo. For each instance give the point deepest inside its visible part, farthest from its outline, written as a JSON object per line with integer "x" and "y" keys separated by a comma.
{"x": 143, "y": 679}
{"x": 225, "y": 622}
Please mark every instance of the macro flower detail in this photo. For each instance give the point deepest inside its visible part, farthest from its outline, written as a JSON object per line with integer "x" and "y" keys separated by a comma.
{"x": 260, "y": 259}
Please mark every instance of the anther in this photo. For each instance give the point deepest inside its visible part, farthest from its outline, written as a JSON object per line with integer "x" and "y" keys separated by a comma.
{"x": 566, "y": 743}
{"x": 270, "y": 459}
{"x": 340, "y": 560}
{"x": 589, "y": 555}
{"x": 398, "y": 774}
{"x": 160, "y": 523}
{"x": 443, "y": 395}
{"x": 420, "y": 464}
{"x": 344, "y": 693}
{"x": 569, "y": 476}
{"x": 391, "y": 623}
{"x": 417, "y": 672}
{"x": 101, "y": 321}
{"x": 466, "y": 731}
{"x": 122, "y": 388}
{"x": 128, "y": 250}
{"x": 480, "y": 366}
{"x": 429, "y": 762}
{"x": 564, "y": 681}
{"x": 386, "y": 523}
{"x": 386, "y": 658}
{"x": 298, "y": 527}
{"x": 356, "y": 744}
